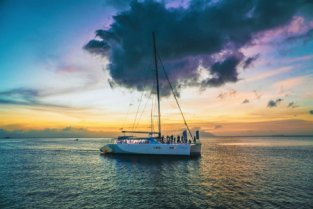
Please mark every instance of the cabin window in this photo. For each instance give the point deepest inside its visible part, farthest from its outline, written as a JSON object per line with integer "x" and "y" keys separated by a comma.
{"x": 157, "y": 147}
{"x": 172, "y": 147}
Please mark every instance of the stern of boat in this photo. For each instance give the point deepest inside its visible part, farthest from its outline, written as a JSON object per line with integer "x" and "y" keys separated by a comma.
{"x": 195, "y": 149}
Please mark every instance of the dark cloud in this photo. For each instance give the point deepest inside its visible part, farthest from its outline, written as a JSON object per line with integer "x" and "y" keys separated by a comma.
{"x": 274, "y": 103}
{"x": 227, "y": 93}
{"x": 292, "y": 105}
{"x": 25, "y": 97}
{"x": 271, "y": 104}
{"x": 26, "y": 93}
{"x": 245, "y": 101}
{"x": 222, "y": 95}
{"x": 248, "y": 62}
{"x": 19, "y": 96}
{"x": 224, "y": 71}
{"x": 311, "y": 112}
{"x": 97, "y": 47}
{"x": 186, "y": 38}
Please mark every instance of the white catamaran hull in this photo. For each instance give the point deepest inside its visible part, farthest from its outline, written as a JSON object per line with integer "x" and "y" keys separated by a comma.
{"x": 153, "y": 149}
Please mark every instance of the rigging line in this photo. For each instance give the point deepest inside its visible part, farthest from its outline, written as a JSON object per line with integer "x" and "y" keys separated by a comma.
{"x": 154, "y": 93}
{"x": 144, "y": 108}
{"x": 168, "y": 80}
{"x": 151, "y": 118}
{"x": 152, "y": 106}
{"x": 153, "y": 110}
{"x": 155, "y": 113}
{"x": 137, "y": 110}
{"x": 127, "y": 115}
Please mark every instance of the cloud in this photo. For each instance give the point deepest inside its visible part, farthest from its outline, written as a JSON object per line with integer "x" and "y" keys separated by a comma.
{"x": 245, "y": 101}
{"x": 209, "y": 34}
{"x": 270, "y": 73}
{"x": 290, "y": 83}
{"x": 19, "y": 96}
{"x": 292, "y": 105}
{"x": 274, "y": 103}
{"x": 232, "y": 92}
{"x": 271, "y": 104}
{"x": 248, "y": 62}
{"x": 227, "y": 93}
{"x": 25, "y": 97}
{"x": 218, "y": 126}
{"x": 97, "y": 47}
{"x": 70, "y": 132}
{"x": 266, "y": 128}
{"x": 257, "y": 94}
{"x": 298, "y": 28}
{"x": 222, "y": 95}
{"x": 224, "y": 71}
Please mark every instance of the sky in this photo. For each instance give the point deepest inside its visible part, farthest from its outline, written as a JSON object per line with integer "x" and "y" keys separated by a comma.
{"x": 85, "y": 68}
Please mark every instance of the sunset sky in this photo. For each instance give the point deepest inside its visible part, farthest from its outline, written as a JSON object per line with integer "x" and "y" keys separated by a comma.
{"x": 81, "y": 68}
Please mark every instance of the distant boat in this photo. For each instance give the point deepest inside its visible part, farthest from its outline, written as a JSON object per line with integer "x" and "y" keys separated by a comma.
{"x": 155, "y": 143}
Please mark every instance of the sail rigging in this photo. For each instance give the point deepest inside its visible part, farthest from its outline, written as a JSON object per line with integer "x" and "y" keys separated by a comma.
{"x": 172, "y": 89}
{"x": 155, "y": 145}
{"x": 157, "y": 58}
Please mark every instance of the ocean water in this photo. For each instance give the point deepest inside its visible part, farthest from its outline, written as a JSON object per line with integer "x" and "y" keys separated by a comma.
{"x": 236, "y": 172}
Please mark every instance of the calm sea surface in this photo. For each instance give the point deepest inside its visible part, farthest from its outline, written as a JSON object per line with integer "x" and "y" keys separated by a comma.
{"x": 232, "y": 173}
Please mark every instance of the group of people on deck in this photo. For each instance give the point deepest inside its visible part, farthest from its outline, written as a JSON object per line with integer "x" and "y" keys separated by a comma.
{"x": 176, "y": 140}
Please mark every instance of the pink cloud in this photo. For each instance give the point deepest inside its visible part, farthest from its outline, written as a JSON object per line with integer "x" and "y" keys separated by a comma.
{"x": 297, "y": 26}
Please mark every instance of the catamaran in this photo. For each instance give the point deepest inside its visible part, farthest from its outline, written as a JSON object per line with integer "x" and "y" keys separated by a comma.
{"x": 155, "y": 143}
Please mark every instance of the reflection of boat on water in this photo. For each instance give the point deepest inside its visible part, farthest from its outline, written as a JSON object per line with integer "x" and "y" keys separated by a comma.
{"x": 153, "y": 160}
{"x": 155, "y": 143}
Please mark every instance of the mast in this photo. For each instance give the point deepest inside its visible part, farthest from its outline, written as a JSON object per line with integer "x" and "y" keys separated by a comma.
{"x": 157, "y": 82}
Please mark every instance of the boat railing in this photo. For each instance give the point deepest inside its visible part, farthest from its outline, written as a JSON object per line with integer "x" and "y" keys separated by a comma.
{"x": 147, "y": 141}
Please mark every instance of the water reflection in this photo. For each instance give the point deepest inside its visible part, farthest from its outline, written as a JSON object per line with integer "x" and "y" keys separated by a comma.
{"x": 64, "y": 173}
